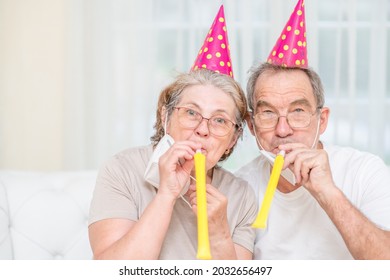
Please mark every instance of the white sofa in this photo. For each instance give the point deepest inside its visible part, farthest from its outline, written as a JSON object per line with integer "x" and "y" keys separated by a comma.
{"x": 44, "y": 215}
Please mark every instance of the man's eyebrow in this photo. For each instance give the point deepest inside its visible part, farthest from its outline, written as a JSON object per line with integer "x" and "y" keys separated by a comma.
{"x": 303, "y": 102}
{"x": 263, "y": 103}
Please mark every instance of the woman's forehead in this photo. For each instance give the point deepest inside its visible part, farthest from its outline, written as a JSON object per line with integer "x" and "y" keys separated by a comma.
{"x": 207, "y": 97}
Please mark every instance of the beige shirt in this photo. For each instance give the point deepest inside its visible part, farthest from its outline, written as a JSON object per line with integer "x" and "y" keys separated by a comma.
{"x": 122, "y": 192}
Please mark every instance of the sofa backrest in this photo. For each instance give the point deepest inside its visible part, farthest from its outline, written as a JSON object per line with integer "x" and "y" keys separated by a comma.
{"x": 5, "y": 238}
{"x": 45, "y": 215}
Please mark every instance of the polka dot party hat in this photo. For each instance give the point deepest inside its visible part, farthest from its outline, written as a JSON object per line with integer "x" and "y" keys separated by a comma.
{"x": 215, "y": 52}
{"x": 290, "y": 49}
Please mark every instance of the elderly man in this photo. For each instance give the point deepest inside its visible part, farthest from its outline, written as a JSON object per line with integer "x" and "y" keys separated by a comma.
{"x": 331, "y": 202}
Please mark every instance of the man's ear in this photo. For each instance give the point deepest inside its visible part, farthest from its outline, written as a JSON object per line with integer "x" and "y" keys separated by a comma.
{"x": 249, "y": 121}
{"x": 324, "y": 117}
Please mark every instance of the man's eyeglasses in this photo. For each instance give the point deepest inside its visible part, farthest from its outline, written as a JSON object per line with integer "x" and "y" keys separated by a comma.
{"x": 218, "y": 125}
{"x": 295, "y": 119}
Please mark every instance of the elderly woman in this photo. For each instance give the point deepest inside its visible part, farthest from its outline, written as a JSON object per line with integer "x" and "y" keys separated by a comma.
{"x": 135, "y": 217}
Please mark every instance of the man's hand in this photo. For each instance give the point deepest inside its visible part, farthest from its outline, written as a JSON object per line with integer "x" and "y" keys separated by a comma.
{"x": 310, "y": 167}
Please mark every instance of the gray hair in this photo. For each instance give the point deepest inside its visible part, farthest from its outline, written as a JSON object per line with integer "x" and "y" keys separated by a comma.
{"x": 171, "y": 95}
{"x": 257, "y": 70}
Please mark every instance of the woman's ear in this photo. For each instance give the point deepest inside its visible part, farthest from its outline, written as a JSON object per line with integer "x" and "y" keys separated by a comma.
{"x": 235, "y": 137}
{"x": 233, "y": 141}
{"x": 163, "y": 114}
{"x": 164, "y": 119}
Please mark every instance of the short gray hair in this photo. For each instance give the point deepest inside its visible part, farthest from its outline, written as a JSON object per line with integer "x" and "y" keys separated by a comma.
{"x": 257, "y": 70}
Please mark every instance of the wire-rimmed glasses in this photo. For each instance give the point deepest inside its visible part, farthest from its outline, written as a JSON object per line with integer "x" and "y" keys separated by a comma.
{"x": 218, "y": 125}
{"x": 295, "y": 119}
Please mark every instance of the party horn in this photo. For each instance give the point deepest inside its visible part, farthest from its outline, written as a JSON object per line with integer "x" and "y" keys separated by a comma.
{"x": 261, "y": 219}
{"x": 203, "y": 226}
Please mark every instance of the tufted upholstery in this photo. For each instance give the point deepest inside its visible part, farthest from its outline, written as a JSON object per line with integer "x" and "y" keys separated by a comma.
{"x": 44, "y": 215}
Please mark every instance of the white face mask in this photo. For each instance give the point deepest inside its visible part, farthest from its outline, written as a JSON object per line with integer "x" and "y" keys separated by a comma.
{"x": 152, "y": 174}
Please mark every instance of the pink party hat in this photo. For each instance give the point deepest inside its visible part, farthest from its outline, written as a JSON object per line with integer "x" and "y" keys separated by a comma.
{"x": 290, "y": 49}
{"x": 215, "y": 52}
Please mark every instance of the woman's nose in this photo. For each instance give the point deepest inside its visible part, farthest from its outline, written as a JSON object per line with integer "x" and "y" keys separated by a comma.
{"x": 203, "y": 128}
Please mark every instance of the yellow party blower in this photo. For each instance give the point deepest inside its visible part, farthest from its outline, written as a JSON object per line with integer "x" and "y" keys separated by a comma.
{"x": 261, "y": 219}
{"x": 203, "y": 227}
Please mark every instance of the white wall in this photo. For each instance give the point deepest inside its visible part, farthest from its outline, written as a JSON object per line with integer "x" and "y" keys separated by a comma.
{"x": 75, "y": 89}
{"x": 31, "y": 84}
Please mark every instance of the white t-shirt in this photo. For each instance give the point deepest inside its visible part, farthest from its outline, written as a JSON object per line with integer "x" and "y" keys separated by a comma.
{"x": 297, "y": 226}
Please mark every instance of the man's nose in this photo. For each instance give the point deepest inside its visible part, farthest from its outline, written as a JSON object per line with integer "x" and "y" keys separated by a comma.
{"x": 283, "y": 129}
